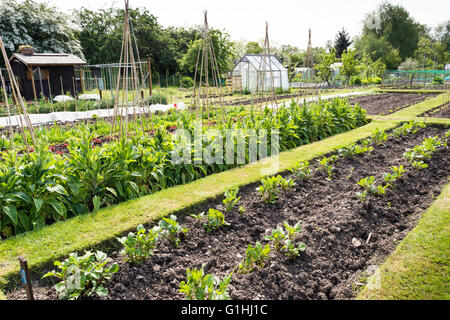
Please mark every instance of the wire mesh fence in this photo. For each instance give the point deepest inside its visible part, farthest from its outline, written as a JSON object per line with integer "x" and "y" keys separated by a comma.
{"x": 416, "y": 79}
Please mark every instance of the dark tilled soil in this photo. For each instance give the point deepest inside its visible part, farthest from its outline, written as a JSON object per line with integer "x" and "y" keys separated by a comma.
{"x": 331, "y": 216}
{"x": 388, "y": 103}
{"x": 440, "y": 112}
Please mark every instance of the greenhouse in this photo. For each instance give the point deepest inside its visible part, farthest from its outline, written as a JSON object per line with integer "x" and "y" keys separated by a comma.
{"x": 255, "y": 68}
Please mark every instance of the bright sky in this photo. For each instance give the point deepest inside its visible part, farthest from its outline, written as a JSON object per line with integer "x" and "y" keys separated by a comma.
{"x": 289, "y": 20}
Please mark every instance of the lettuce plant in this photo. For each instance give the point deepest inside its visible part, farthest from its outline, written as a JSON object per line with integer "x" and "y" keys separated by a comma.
{"x": 82, "y": 276}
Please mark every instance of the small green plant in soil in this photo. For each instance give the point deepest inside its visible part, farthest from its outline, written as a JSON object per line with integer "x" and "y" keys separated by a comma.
{"x": 241, "y": 210}
{"x": 354, "y": 150}
{"x": 369, "y": 185}
{"x": 269, "y": 189}
{"x": 204, "y": 287}
{"x": 272, "y": 186}
{"x": 301, "y": 170}
{"x": 83, "y": 276}
{"x": 379, "y": 137}
{"x": 254, "y": 257}
{"x": 231, "y": 198}
{"x": 140, "y": 245}
{"x": 397, "y": 173}
{"x": 283, "y": 239}
{"x": 171, "y": 229}
{"x": 212, "y": 221}
{"x": 408, "y": 128}
{"x": 418, "y": 154}
{"x": 326, "y": 164}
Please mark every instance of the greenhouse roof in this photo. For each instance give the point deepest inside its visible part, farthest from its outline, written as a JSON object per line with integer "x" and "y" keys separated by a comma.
{"x": 271, "y": 62}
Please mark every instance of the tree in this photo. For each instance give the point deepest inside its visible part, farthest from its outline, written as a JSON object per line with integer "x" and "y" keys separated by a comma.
{"x": 349, "y": 64}
{"x": 377, "y": 48}
{"x": 369, "y": 68}
{"x": 100, "y": 34}
{"x": 442, "y": 34}
{"x": 323, "y": 68}
{"x": 223, "y": 49}
{"x": 409, "y": 64}
{"x": 342, "y": 42}
{"x": 39, "y": 25}
{"x": 389, "y": 28}
{"x": 253, "y": 47}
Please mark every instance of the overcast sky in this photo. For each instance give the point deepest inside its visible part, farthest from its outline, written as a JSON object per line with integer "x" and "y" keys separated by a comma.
{"x": 289, "y": 20}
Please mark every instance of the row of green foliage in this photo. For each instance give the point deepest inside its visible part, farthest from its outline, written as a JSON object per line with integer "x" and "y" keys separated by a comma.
{"x": 42, "y": 187}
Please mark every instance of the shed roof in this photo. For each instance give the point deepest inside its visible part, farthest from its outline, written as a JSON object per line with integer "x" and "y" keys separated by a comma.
{"x": 48, "y": 59}
{"x": 272, "y": 62}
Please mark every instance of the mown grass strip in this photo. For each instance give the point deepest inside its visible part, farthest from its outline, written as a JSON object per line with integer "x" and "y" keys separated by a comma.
{"x": 419, "y": 268}
{"x": 85, "y": 231}
{"x": 419, "y": 108}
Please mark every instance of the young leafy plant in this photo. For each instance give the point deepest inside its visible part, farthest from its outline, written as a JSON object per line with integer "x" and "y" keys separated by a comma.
{"x": 301, "y": 170}
{"x": 397, "y": 173}
{"x": 231, "y": 198}
{"x": 171, "y": 229}
{"x": 269, "y": 189}
{"x": 83, "y": 276}
{"x": 212, "y": 221}
{"x": 283, "y": 239}
{"x": 140, "y": 246}
{"x": 272, "y": 186}
{"x": 205, "y": 287}
{"x": 369, "y": 186}
{"x": 326, "y": 164}
{"x": 254, "y": 257}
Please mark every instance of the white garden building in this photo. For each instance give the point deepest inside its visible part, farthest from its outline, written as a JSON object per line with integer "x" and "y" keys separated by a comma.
{"x": 253, "y": 68}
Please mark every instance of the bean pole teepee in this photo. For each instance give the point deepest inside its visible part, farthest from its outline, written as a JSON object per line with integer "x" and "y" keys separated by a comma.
{"x": 207, "y": 89}
{"x": 265, "y": 66}
{"x": 18, "y": 103}
{"x": 127, "y": 61}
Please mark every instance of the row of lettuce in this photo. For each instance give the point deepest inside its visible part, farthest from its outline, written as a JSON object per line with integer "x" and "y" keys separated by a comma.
{"x": 40, "y": 187}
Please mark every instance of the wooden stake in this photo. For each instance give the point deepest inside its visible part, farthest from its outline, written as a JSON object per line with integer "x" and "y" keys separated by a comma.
{"x": 25, "y": 275}
{"x": 149, "y": 66}
{"x": 33, "y": 85}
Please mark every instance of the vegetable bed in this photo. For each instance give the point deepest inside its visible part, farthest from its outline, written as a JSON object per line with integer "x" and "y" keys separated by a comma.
{"x": 345, "y": 235}
{"x": 439, "y": 112}
{"x": 389, "y": 103}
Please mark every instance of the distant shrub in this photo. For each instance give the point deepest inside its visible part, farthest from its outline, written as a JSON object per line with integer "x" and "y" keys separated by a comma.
{"x": 156, "y": 98}
{"x": 438, "y": 80}
{"x": 187, "y": 82}
{"x": 356, "y": 81}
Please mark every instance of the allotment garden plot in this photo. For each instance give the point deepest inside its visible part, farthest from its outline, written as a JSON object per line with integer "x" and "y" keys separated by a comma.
{"x": 313, "y": 233}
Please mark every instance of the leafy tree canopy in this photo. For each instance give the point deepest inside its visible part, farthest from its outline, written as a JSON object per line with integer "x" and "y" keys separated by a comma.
{"x": 39, "y": 25}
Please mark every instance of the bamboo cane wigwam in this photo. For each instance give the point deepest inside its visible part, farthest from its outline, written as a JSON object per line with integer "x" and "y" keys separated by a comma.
{"x": 207, "y": 89}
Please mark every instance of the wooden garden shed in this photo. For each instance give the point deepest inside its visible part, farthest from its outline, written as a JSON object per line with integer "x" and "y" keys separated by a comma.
{"x": 47, "y": 74}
